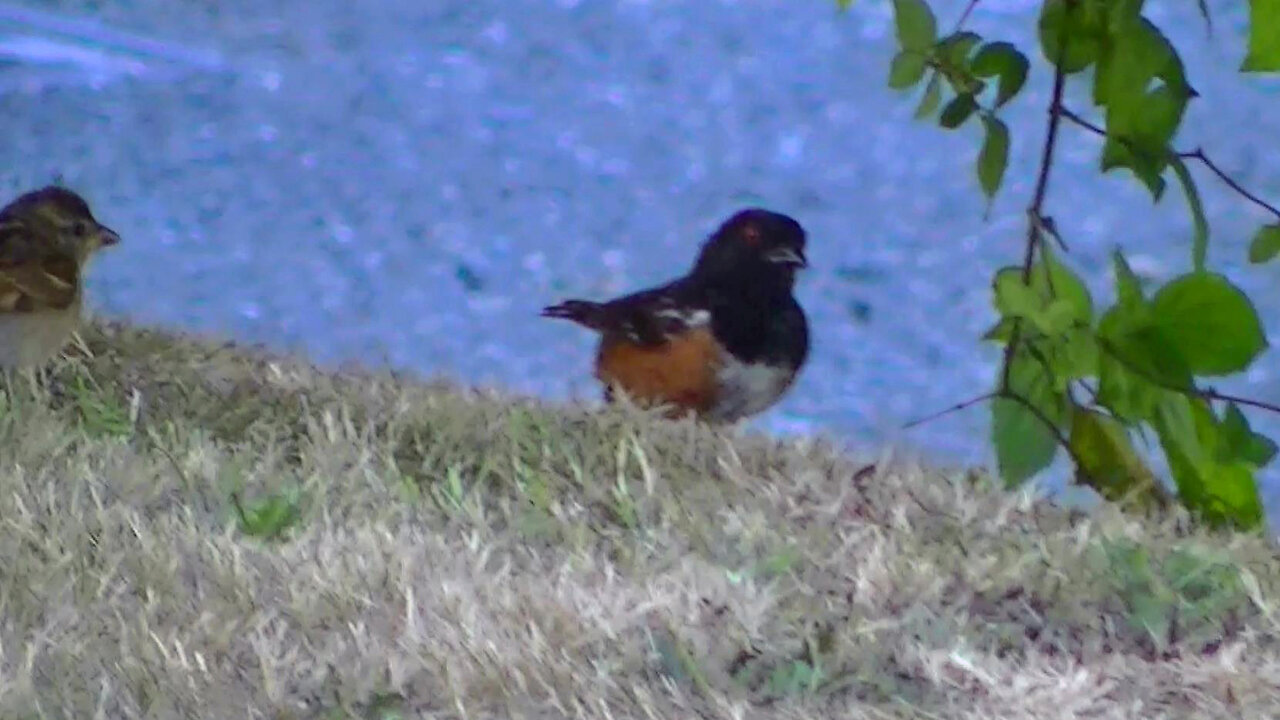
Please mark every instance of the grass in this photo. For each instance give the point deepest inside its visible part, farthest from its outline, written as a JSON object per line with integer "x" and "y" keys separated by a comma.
{"x": 193, "y": 530}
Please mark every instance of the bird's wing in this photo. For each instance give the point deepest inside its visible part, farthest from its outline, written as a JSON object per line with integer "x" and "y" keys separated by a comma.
{"x": 34, "y": 275}
{"x": 651, "y": 317}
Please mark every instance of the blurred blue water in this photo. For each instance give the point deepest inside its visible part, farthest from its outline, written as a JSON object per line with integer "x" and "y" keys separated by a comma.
{"x": 409, "y": 182}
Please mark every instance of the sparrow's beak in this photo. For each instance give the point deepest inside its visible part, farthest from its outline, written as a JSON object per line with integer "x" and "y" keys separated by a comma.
{"x": 107, "y": 236}
{"x": 788, "y": 256}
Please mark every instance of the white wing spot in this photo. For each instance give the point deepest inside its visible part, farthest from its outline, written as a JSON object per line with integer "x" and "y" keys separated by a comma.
{"x": 688, "y": 318}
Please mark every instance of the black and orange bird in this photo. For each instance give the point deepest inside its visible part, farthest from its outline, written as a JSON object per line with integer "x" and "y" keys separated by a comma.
{"x": 725, "y": 341}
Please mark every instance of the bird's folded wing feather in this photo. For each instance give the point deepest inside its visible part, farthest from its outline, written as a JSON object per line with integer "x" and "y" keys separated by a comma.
{"x": 652, "y": 317}
{"x": 34, "y": 275}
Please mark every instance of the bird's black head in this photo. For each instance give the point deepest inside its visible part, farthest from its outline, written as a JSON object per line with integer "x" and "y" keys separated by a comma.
{"x": 757, "y": 246}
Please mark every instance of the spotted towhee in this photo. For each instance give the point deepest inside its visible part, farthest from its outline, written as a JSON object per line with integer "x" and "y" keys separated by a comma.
{"x": 725, "y": 341}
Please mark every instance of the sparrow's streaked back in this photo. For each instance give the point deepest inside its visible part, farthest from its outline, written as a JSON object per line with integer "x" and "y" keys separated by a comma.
{"x": 46, "y": 238}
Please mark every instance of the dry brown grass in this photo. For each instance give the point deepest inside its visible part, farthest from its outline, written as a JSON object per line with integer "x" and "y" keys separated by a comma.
{"x": 448, "y": 554}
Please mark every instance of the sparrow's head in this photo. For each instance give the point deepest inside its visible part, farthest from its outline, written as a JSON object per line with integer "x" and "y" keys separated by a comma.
{"x": 757, "y": 245}
{"x": 64, "y": 217}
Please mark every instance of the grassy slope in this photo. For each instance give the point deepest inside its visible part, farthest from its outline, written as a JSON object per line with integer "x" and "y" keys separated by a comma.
{"x": 459, "y": 555}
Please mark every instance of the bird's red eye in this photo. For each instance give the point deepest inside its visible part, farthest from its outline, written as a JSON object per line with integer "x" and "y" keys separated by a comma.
{"x": 80, "y": 228}
{"x": 751, "y": 235}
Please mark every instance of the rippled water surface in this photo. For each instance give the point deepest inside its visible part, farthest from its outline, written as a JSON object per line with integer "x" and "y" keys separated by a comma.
{"x": 408, "y": 182}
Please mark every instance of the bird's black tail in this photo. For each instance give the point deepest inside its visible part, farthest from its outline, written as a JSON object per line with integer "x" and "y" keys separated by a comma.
{"x": 585, "y": 313}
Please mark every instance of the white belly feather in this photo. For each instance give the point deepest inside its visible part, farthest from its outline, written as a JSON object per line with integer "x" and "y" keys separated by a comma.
{"x": 30, "y": 339}
{"x": 748, "y": 388}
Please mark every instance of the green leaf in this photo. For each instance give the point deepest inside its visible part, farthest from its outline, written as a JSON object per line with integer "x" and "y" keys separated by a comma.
{"x": 1128, "y": 395}
{"x": 932, "y": 97}
{"x": 271, "y": 516}
{"x": 1013, "y": 297}
{"x": 917, "y": 27}
{"x": 1108, "y": 462}
{"x": 1240, "y": 442}
{"x": 907, "y": 69}
{"x": 101, "y": 413}
{"x": 1266, "y": 244}
{"x": 1188, "y": 435}
{"x": 1211, "y": 323}
{"x": 1264, "y": 37}
{"x": 1207, "y": 583}
{"x": 1078, "y": 355}
{"x": 1138, "y": 41}
{"x": 1140, "y": 121}
{"x": 1070, "y": 38}
{"x": 1003, "y": 60}
{"x": 1222, "y": 493}
{"x": 1184, "y": 425}
{"x": 1059, "y": 317}
{"x": 955, "y": 48}
{"x": 1260, "y": 451}
{"x": 1200, "y": 241}
{"x": 1055, "y": 280}
{"x": 1128, "y": 335}
{"x": 957, "y": 111}
{"x": 844, "y": 4}
{"x": 1128, "y": 288}
{"x": 1001, "y": 332}
{"x": 1139, "y": 134}
{"x": 1024, "y": 444}
{"x": 1122, "y": 12}
{"x": 1233, "y": 497}
{"x": 1055, "y": 299}
{"x": 994, "y": 156}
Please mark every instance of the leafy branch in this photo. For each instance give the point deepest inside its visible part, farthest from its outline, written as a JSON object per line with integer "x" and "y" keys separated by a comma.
{"x": 1035, "y": 213}
{"x": 1197, "y": 154}
{"x": 1266, "y": 243}
{"x": 1140, "y": 360}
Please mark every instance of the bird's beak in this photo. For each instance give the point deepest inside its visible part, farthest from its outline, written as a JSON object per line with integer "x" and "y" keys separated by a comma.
{"x": 788, "y": 256}
{"x": 107, "y": 236}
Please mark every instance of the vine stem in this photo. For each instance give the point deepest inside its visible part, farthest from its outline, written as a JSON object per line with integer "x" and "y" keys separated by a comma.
{"x": 1203, "y": 394}
{"x": 1035, "y": 212}
{"x": 1198, "y": 155}
{"x": 964, "y": 16}
{"x": 1259, "y": 404}
{"x": 1011, "y": 396}
{"x": 1049, "y": 425}
{"x": 964, "y": 404}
